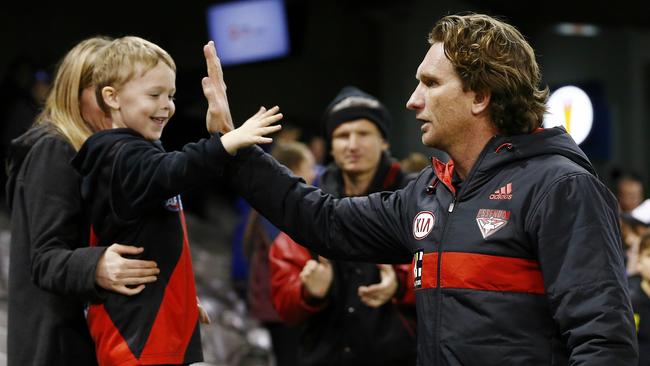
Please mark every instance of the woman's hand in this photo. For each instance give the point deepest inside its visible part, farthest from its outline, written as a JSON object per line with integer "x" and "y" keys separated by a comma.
{"x": 118, "y": 274}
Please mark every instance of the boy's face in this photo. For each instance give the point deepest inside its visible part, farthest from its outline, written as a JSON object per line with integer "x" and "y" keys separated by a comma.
{"x": 644, "y": 264}
{"x": 146, "y": 102}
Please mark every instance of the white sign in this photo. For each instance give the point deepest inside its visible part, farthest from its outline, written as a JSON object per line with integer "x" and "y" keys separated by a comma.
{"x": 571, "y": 108}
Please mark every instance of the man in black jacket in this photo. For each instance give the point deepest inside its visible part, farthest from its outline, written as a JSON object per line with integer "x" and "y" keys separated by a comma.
{"x": 352, "y": 313}
{"x": 515, "y": 240}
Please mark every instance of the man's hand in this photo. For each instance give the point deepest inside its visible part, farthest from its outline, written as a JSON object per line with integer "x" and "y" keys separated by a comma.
{"x": 317, "y": 277}
{"x": 253, "y": 131}
{"x": 115, "y": 273}
{"x": 218, "y": 118}
{"x": 378, "y": 294}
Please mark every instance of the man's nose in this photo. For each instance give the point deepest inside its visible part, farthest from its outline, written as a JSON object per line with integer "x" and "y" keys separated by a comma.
{"x": 415, "y": 101}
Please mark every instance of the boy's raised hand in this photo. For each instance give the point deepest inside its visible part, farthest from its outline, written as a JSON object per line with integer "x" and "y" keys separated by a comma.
{"x": 218, "y": 118}
{"x": 253, "y": 131}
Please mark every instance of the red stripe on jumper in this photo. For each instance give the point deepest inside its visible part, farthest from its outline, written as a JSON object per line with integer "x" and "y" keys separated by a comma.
{"x": 482, "y": 272}
{"x": 178, "y": 313}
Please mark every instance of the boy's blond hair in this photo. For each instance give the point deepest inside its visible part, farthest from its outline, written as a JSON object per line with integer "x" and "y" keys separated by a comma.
{"x": 75, "y": 73}
{"x": 122, "y": 59}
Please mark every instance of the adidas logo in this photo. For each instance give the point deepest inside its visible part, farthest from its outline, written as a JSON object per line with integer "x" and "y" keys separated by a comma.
{"x": 503, "y": 193}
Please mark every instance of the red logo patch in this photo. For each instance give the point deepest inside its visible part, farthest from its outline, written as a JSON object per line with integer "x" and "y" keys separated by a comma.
{"x": 490, "y": 221}
{"x": 503, "y": 193}
{"x": 423, "y": 224}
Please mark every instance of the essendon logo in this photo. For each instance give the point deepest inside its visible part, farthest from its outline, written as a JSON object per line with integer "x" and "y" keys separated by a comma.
{"x": 423, "y": 224}
{"x": 174, "y": 204}
{"x": 417, "y": 269}
{"x": 490, "y": 221}
{"x": 503, "y": 193}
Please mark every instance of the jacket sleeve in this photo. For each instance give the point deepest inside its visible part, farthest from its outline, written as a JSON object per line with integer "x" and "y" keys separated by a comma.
{"x": 61, "y": 261}
{"x": 368, "y": 229}
{"x": 145, "y": 175}
{"x": 287, "y": 260}
{"x": 575, "y": 227}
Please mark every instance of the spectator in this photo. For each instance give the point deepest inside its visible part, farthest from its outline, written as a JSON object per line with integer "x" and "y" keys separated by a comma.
{"x": 351, "y": 313}
{"x": 260, "y": 236}
{"x": 641, "y": 301}
{"x": 52, "y": 271}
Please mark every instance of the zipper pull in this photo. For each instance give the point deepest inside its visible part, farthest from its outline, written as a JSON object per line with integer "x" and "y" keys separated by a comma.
{"x": 451, "y": 205}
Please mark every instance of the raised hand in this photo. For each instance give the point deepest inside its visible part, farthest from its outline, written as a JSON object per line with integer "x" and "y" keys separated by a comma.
{"x": 218, "y": 118}
{"x": 317, "y": 277}
{"x": 115, "y": 273}
{"x": 253, "y": 131}
{"x": 378, "y": 294}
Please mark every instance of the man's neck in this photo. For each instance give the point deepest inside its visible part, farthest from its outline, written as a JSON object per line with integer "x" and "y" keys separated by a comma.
{"x": 357, "y": 184}
{"x": 466, "y": 152}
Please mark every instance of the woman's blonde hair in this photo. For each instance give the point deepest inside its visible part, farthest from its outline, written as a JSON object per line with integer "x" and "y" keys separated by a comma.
{"x": 122, "y": 59}
{"x": 74, "y": 74}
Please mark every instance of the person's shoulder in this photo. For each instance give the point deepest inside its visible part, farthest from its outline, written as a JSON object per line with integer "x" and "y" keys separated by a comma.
{"x": 43, "y": 138}
{"x": 112, "y": 135}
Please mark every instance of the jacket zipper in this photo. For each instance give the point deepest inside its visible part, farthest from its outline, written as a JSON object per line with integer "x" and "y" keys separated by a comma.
{"x": 450, "y": 210}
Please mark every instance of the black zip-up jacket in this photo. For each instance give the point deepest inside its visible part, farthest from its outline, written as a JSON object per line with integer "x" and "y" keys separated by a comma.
{"x": 131, "y": 189}
{"x": 51, "y": 269}
{"x": 521, "y": 264}
{"x": 348, "y": 332}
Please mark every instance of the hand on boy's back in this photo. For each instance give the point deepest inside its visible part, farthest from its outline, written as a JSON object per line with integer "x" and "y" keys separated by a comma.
{"x": 253, "y": 131}
{"x": 218, "y": 118}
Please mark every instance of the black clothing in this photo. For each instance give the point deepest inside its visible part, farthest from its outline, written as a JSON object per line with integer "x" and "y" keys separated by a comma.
{"x": 641, "y": 305}
{"x": 48, "y": 252}
{"x": 521, "y": 265}
{"x": 348, "y": 332}
{"x": 131, "y": 189}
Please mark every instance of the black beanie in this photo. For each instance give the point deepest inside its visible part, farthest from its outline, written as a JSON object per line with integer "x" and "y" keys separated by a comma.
{"x": 352, "y": 103}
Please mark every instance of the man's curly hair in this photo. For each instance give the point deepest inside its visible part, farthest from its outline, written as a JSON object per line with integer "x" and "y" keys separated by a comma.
{"x": 492, "y": 56}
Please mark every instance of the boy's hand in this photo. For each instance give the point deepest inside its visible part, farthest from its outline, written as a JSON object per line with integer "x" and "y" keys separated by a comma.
{"x": 253, "y": 130}
{"x": 218, "y": 118}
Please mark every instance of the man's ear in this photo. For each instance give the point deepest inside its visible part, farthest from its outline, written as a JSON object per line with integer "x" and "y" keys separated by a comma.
{"x": 384, "y": 145}
{"x": 481, "y": 101}
{"x": 109, "y": 95}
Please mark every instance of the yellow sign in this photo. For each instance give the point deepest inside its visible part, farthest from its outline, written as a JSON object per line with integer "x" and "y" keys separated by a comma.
{"x": 571, "y": 108}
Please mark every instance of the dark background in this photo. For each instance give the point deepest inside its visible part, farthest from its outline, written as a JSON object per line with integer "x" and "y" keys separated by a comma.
{"x": 376, "y": 45}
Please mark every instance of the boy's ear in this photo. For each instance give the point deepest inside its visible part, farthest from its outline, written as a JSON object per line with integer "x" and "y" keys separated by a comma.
{"x": 109, "y": 94}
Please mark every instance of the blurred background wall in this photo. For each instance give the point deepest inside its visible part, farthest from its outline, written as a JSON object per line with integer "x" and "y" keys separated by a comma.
{"x": 376, "y": 45}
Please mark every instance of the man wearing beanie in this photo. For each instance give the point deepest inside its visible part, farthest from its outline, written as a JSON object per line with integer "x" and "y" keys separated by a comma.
{"x": 351, "y": 313}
